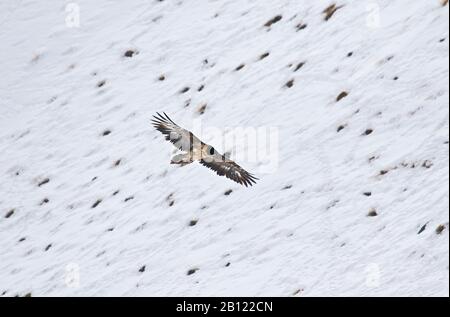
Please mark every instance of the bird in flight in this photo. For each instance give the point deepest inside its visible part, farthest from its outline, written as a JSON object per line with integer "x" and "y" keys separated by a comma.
{"x": 195, "y": 150}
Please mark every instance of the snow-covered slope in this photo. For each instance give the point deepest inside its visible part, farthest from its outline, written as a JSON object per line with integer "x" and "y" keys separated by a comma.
{"x": 355, "y": 200}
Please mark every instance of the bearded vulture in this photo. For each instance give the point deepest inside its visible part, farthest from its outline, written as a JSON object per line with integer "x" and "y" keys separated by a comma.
{"x": 195, "y": 150}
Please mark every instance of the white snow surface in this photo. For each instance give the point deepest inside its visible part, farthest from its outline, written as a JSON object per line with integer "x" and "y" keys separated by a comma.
{"x": 304, "y": 229}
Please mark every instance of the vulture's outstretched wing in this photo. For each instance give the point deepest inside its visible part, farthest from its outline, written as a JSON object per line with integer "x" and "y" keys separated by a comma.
{"x": 228, "y": 168}
{"x": 182, "y": 139}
